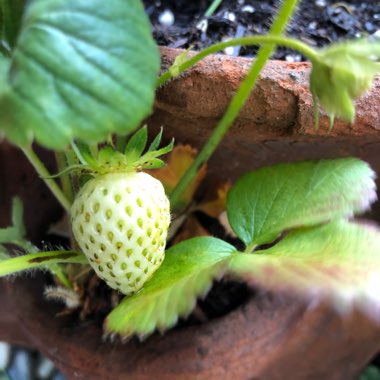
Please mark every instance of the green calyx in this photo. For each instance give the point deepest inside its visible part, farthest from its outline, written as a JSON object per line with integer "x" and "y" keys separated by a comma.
{"x": 109, "y": 160}
{"x": 342, "y": 73}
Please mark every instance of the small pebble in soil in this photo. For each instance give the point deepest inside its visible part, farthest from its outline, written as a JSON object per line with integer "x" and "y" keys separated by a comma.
{"x": 25, "y": 364}
{"x": 202, "y": 26}
{"x": 320, "y": 3}
{"x": 317, "y": 22}
{"x": 369, "y": 26}
{"x": 229, "y": 50}
{"x": 248, "y": 9}
{"x": 21, "y": 365}
{"x": 312, "y": 25}
{"x": 166, "y": 18}
{"x": 45, "y": 368}
{"x": 230, "y": 16}
{"x": 293, "y": 58}
{"x": 5, "y": 355}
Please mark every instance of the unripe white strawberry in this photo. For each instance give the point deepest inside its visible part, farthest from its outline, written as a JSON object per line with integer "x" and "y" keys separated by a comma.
{"x": 120, "y": 221}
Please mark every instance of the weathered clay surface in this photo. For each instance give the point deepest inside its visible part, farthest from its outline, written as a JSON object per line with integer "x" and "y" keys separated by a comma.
{"x": 267, "y": 338}
{"x": 276, "y": 125}
{"x": 280, "y": 105}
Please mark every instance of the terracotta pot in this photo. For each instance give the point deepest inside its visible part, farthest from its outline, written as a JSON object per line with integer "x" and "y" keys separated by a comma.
{"x": 269, "y": 337}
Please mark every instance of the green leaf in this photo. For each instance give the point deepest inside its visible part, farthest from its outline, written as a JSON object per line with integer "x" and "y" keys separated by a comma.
{"x": 4, "y": 254}
{"x": 40, "y": 260}
{"x": 186, "y": 273}
{"x": 4, "y": 67}
{"x": 83, "y": 153}
{"x": 337, "y": 262}
{"x": 154, "y": 163}
{"x": 159, "y": 152}
{"x": 156, "y": 142}
{"x": 370, "y": 373}
{"x": 270, "y": 200}
{"x": 178, "y": 61}
{"x": 18, "y": 215}
{"x": 15, "y": 233}
{"x": 136, "y": 145}
{"x": 80, "y": 70}
{"x": 109, "y": 157}
{"x": 343, "y": 72}
{"x": 10, "y": 20}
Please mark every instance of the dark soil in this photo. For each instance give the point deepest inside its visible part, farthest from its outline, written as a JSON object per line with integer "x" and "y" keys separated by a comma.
{"x": 317, "y": 22}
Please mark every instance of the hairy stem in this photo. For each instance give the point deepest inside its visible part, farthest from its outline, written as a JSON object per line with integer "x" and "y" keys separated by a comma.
{"x": 59, "y": 273}
{"x": 264, "y": 40}
{"x": 236, "y": 104}
{"x": 44, "y": 174}
{"x": 40, "y": 260}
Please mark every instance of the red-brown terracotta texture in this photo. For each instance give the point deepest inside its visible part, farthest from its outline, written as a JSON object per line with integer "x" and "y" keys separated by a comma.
{"x": 276, "y": 124}
{"x": 268, "y": 337}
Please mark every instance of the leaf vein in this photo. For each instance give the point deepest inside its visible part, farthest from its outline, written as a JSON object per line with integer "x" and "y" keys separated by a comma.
{"x": 57, "y": 75}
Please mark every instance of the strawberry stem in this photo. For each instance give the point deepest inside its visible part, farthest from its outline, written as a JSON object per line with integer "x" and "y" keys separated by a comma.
{"x": 264, "y": 40}
{"x": 67, "y": 188}
{"x": 59, "y": 273}
{"x": 236, "y": 104}
{"x": 40, "y": 260}
{"x": 44, "y": 174}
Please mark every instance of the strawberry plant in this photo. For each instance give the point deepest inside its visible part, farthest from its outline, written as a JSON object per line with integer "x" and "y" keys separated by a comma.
{"x": 79, "y": 78}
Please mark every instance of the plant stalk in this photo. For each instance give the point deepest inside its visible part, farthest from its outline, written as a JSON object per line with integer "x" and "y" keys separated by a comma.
{"x": 212, "y": 8}
{"x": 44, "y": 173}
{"x": 263, "y": 40}
{"x": 59, "y": 273}
{"x": 236, "y": 104}
{"x": 67, "y": 188}
{"x": 38, "y": 260}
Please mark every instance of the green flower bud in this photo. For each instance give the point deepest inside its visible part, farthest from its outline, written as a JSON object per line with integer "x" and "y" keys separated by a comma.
{"x": 343, "y": 73}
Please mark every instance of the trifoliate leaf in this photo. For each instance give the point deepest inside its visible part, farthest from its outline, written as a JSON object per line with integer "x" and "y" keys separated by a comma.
{"x": 186, "y": 273}
{"x": 337, "y": 262}
{"x": 270, "y": 200}
{"x": 80, "y": 70}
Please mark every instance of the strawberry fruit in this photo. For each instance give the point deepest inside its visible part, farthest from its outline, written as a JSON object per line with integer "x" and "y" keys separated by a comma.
{"x": 120, "y": 218}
